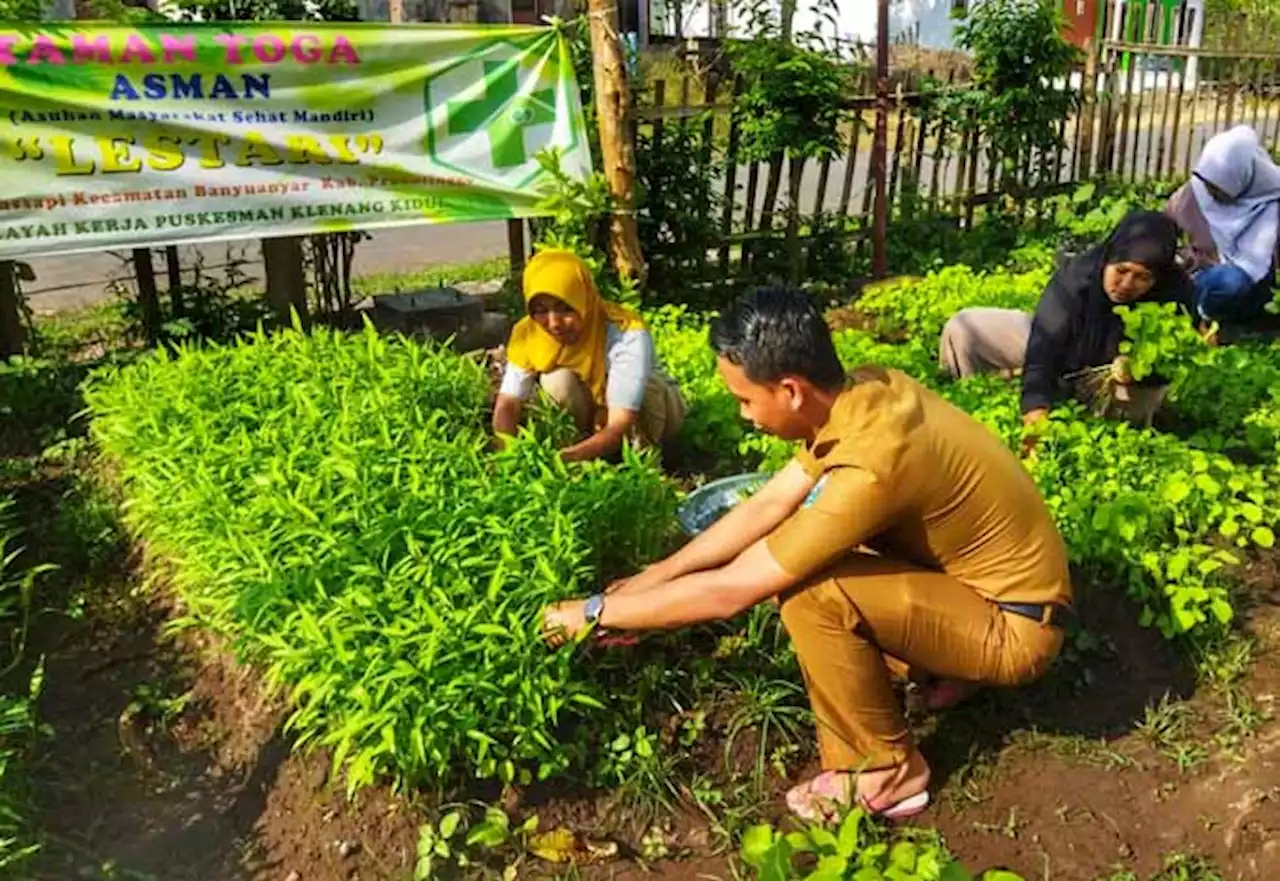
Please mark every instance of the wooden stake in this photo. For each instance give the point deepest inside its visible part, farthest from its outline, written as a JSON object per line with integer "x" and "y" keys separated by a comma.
{"x": 286, "y": 279}
{"x": 148, "y": 293}
{"x": 13, "y": 333}
{"x": 613, "y": 111}
{"x": 174, "y": 266}
{"x": 879, "y": 147}
{"x": 516, "y": 246}
{"x": 1088, "y": 102}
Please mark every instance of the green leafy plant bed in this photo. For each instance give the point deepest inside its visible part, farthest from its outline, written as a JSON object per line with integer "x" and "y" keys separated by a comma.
{"x": 329, "y": 504}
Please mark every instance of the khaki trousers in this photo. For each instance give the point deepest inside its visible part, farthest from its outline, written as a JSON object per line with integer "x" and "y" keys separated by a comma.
{"x": 867, "y": 615}
{"x": 983, "y": 340}
{"x": 659, "y": 419}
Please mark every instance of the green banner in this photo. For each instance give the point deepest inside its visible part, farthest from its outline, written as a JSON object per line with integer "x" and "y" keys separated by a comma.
{"x": 124, "y": 136}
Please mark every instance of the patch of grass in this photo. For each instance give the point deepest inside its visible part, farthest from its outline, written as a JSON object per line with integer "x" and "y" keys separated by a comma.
{"x": 1242, "y": 715}
{"x": 432, "y": 276}
{"x": 1177, "y": 867}
{"x": 1186, "y": 867}
{"x": 1168, "y": 727}
{"x": 1221, "y": 663}
{"x": 1008, "y": 829}
{"x": 76, "y": 331}
{"x": 1077, "y": 747}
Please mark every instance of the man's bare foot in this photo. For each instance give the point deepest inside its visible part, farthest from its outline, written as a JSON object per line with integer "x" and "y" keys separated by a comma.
{"x": 881, "y": 791}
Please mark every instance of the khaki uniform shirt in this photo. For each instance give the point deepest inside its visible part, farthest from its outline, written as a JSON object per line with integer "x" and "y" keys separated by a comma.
{"x": 905, "y": 473}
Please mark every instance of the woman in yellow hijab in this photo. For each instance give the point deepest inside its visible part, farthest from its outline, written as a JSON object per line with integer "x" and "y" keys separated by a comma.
{"x": 592, "y": 357}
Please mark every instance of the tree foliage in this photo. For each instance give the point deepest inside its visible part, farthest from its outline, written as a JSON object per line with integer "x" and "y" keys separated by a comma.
{"x": 1021, "y": 90}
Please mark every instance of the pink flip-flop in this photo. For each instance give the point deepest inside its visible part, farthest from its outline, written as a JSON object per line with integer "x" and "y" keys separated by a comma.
{"x": 821, "y": 799}
{"x": 818, "y": 800}
{"x": 901, "y": 810}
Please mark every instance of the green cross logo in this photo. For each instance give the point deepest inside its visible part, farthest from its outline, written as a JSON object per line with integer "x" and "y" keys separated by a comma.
{"x": 502, "y": 118}
{"x": 487, "y": 113}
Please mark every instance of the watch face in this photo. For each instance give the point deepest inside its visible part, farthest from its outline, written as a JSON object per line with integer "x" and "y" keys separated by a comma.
{"x": 595, "y": 605}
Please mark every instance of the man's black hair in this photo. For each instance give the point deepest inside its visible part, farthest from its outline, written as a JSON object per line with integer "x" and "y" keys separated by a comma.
{"x": 771, "y": 332}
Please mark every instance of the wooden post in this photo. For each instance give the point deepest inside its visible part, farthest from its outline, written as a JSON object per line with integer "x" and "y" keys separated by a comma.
{"x": 173, "y": 264}
{"x": 286, "y": 281}
{"x": 787, "y": 18}
{"x": 880, "y": 146}
{"x": 13, "y": 333}
{"x": 515, "y": 246}
{"x": 613, "y": 111}
{"x": 148, "y": 293}
{"x": 794, "y": 176}
{"x": 1088, "y": 101}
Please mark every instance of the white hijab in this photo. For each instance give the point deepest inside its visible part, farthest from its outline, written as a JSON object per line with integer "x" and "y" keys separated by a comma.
{"x": 1244, "y": 230}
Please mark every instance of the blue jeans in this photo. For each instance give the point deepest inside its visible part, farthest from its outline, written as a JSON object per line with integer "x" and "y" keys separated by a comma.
{"x": 1226, "y": 293}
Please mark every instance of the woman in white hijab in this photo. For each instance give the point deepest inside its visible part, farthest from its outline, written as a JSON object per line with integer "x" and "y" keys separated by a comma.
{"x": 1230, "y": 209}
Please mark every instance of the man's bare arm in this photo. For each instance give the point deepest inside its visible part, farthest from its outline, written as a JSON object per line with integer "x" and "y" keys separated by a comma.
{"x": 710, "y": 595}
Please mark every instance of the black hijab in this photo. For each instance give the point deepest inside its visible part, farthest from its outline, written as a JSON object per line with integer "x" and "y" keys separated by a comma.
{"x": 1146, "y": 237}
{"x": 1075, "y": 325}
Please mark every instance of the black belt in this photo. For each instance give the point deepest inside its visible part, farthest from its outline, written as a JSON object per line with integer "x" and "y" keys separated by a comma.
{"x": 1051, "y": 614}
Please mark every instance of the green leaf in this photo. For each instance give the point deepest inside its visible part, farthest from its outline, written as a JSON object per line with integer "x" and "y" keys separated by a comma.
{"x": 756, "y": 843}
{"x": 1222, "y": 611}
{"x": 799, "y": 842}
{"x": 1263, "y": 537}
{"x": 1175, "y": 491}
{"x": 850, "y": 832}
{"x": 1208, "y": 485}
{"x": 492, "y": 831}
{"x": 823, "y": 839}
{"x": 903, "y": 855}
{"x": 1185, "y": 619}
{"x": 833, "y": 863}
{"x": 449, "y": 824}
{"x": 1083, "y": 194}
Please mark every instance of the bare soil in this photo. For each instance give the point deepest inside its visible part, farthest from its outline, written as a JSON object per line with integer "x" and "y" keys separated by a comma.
{"x": 166, "y": 761}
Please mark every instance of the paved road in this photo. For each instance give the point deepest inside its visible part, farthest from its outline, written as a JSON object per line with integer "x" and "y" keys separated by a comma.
{"x": 70, "y": 282}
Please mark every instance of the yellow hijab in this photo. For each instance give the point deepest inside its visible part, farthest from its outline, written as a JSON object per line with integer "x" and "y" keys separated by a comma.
{"x": 563, "y": 275}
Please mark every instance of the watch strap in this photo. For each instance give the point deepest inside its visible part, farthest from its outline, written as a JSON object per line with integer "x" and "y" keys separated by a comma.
{"x": 594, "y": 608}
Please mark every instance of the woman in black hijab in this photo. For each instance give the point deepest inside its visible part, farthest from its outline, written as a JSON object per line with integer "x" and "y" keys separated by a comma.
{"x": 1075, "y": 327}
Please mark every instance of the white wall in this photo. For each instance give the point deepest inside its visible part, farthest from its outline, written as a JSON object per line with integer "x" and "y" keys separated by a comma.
{"x": 694, "y": 18}
{"x": 856, "y": 20}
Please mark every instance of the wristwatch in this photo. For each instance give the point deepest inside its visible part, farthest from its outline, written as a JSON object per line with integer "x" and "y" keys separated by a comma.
{"x": 594, "y": 608}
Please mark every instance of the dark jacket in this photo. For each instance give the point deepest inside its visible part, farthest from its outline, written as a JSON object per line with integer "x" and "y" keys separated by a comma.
{"x": 1075, "y": 326}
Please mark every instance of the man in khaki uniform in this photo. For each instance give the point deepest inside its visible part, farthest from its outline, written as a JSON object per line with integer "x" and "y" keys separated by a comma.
{"x": 903, "y": 535}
